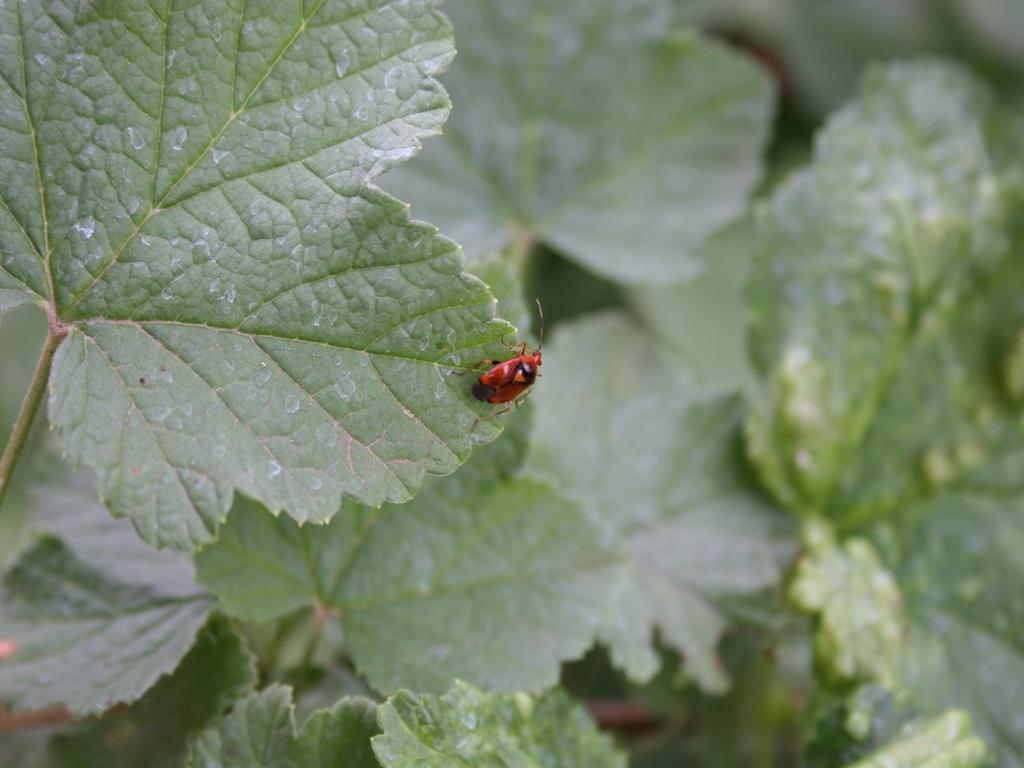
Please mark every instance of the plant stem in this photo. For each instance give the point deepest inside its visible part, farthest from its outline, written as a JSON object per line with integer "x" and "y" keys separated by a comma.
{"x": 29, "y": 406}
{"x": 522, "y": 244}
{"x": 320, "y": 616}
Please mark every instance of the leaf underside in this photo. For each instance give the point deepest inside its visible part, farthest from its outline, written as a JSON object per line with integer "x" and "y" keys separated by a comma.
{"x": 190, "y": 190}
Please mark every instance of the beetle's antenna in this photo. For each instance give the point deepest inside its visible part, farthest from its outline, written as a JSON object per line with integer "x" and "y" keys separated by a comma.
{"x": 540, "y": 310}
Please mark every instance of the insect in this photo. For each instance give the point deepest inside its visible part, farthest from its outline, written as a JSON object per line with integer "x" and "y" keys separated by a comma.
{"x": 505, "y": 381}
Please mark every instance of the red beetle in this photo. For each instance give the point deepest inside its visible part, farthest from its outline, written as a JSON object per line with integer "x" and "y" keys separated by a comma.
{"x": 506, "y": 381}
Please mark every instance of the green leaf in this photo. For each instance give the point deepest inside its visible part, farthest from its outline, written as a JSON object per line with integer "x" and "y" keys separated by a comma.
{"x": 85, "y": 638}
{"x": 584, "y": 126}
{"x": 946, "y": 741}
{"x": 9, "y": 299}
{"x": 503, "y": 278}
{"x": 468, "y": 727}
{"x": 861, "y": 626}
{"x": 614, "y": 404}
{"x": 459, "y": 582}
{"x": 886, "y": 301}
{"x": 260, "y": 732}
{"x": 189, "y": 190}
{"x": 862, "y": 261}
{"x": 704, "y": 318}
{"x": 870, "y": 729}
{"x": 958, "y": 565}
{"x": 65, "y": 507}
{"x": 154, "y": 731}
{"x": 844, "y": 729}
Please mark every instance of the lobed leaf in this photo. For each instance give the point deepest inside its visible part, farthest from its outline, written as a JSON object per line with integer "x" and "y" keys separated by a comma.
{"x": 958, "y": 565}
{"x": 886, "y": 296}
{"x": 260, "y": 732}
{"x": 468, "y": 727}
{"x": 703, "y": 319}
{"x": 693, "y": 522}
{"x": 83, "y": 637}
{"x": 861, "y": 626}
{"x": 189, "y": 188}
{"x": 586, "y": 127}
{"x": 945, "y": 741}
{"x": 154, "y": 732}
{"x": 460, "y": 582}
{"x": 862, "y": 261}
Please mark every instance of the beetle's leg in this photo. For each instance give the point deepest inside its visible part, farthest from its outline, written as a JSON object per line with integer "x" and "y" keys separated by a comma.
{"x": 519, "y": 400}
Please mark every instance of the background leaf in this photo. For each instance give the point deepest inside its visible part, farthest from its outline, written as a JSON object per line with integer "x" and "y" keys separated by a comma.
{"x": 154, "y": 731}
{"x": 860, "y": 632}
{"x": 190, "y": 189}
{"x": 957, "y": 565}
{"x": 466, "y": 726}
{"x": 614, "y": 405}
{"x": 887, "y": 320}
{"x": 588, "y": 129}
{"x": 704, "y": 319}
{"x": 86, "y": 602}
{"x": 860, "y": 258}
{"x": 942, "y": 741}
{"x": 459, "y": 582}
{"x": 260, "y": 731}
{"x": 84, "y": 638}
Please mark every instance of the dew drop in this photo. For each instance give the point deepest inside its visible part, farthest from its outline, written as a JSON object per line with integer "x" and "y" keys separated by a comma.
{"x": 178, "y": 138}
{"x": 160, "y": 412}
{"x": 316, "y": 484}
{"x": 42, "y": 59}
{"x": 361, "y": 113}
{"x": 341, "y": 63}
{"x": 86, "y": 227}
{"x": 439, "y": 390}
{"x": 327, "y": 435}
{"x": 344, "y": 386}
{"x": 291, "y": 403}
{"x": 135, "y": 138}
{"x": 273, "y": 469}
{"x": 219, "y": 154}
